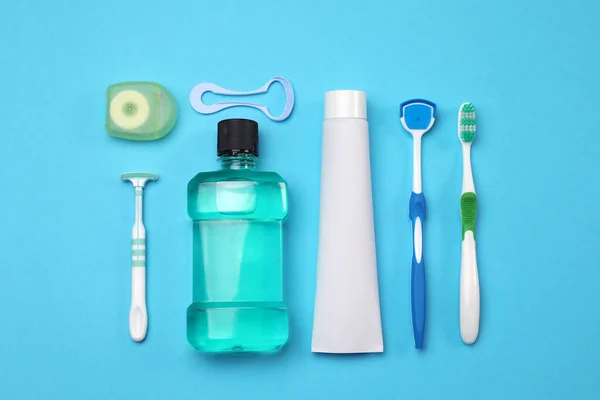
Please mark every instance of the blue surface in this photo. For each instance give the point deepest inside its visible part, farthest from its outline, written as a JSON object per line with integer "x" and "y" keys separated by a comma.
{"x": 531, "y": 69}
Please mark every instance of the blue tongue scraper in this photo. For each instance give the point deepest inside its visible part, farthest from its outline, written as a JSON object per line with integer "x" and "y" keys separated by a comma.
{"x": 417, "y": 117}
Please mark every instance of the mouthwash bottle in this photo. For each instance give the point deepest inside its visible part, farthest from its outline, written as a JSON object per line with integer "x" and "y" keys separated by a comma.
{"x": 238, "y": 214}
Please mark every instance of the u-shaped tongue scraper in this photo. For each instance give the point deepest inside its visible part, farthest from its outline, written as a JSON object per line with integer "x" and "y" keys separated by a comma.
{"x": 201, "y": 88}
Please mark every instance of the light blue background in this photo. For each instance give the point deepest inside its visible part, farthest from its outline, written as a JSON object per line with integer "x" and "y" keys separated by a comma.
{"x": 530, "y": 67}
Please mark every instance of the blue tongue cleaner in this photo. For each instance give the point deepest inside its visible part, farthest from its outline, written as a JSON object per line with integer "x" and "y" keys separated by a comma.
{"x": 417, "y": 115}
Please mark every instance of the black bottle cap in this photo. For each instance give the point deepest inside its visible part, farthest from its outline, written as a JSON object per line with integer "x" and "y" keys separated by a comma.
{"x": 237, "y": 136}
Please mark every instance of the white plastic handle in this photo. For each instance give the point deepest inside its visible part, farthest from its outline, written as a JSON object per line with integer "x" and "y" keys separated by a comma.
{"x": 138, "y": 316}
{"x": 469, "y": 291}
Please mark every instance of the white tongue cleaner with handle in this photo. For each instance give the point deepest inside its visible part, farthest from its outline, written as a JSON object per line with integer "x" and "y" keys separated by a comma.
{"x": 138, "y": 315}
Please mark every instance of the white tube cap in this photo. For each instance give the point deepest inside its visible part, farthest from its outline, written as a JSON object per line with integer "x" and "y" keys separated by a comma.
{"x": 345, "y": 104}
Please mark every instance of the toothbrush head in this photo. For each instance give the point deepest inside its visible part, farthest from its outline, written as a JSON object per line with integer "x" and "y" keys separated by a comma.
{"x": 139, "y": 179}
{"x": 466, "y": 123}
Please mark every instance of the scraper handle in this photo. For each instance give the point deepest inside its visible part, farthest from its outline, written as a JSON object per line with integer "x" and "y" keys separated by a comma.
{"x": 417, "y": 273}
{"x": 138, "y": 315}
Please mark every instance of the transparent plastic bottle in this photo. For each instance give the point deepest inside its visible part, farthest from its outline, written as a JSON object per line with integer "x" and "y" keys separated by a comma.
{"x": 238, "y": 214}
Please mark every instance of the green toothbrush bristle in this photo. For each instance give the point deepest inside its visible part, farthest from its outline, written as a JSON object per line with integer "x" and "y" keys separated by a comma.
{"x": 466, "y": 124}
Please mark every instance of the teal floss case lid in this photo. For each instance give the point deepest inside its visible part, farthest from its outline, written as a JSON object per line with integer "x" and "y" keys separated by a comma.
{"x": 139, "y": 111}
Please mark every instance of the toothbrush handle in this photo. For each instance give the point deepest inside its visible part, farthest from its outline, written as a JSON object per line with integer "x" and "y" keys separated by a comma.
{"x": 469, "y": 277}
{"x": 417, "y": 211}
{"x": 138, "y": 315}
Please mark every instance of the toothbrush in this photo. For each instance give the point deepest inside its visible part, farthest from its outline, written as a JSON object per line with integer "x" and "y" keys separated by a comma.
{"x": 469, "y": 278}
{"x": 138, "y": 315}
{"x": 417, "y": 117}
